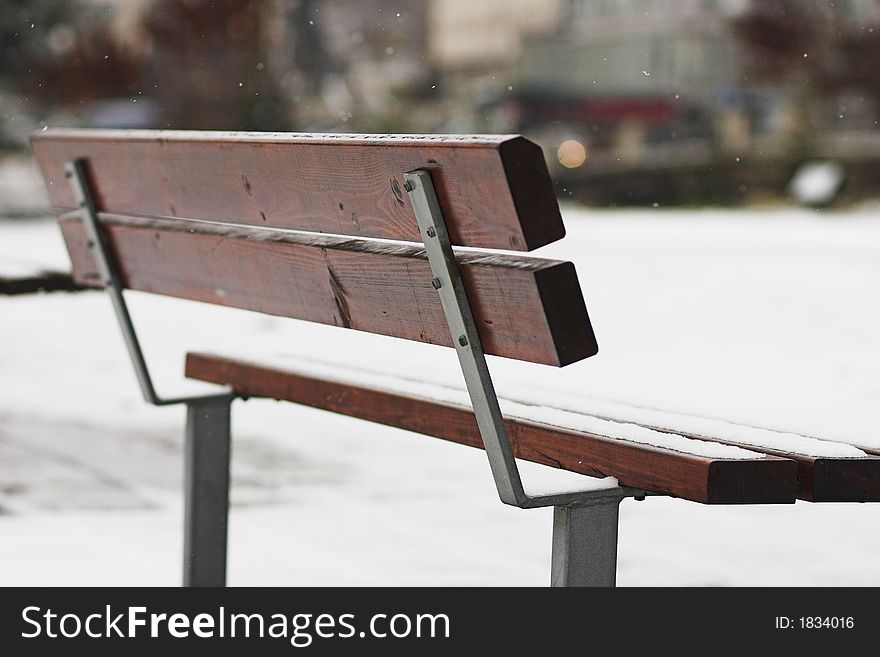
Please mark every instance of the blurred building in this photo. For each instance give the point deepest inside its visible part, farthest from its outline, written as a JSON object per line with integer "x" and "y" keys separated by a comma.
{"x": 475, "y": 48}
{"x": 628, "y": 47}
{"x": 609, "y": 87}
{"x": 478, "y": 34}
{"x": 623, "y": 74}
{"x": 660, "y": 90}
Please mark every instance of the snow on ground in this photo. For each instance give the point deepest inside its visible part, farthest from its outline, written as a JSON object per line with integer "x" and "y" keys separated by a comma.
{"x": 759, "y": 317}
{"x": 21, "y": 187}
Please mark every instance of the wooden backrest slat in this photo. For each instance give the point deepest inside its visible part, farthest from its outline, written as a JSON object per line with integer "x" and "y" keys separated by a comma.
{"x": 526, "y": 308}
{"x": 495, "y": 190}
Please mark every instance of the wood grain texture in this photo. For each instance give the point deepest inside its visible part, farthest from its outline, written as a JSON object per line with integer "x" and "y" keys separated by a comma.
{"x": 526, "y": 308}
{"x": 495, "y": 191}
{"x": 700, "y": 479}
{"x": 42, "y": 282}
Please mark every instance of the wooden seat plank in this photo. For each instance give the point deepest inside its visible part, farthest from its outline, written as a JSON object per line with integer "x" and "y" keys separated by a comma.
{"x": 828, "y": 471}
{"x": 526, "y": 308}
{"x": 822, "y": 478}
{"x": 495, "y": 191}
{"x": 38, "y": 282}
{"x": 692, "y": 477}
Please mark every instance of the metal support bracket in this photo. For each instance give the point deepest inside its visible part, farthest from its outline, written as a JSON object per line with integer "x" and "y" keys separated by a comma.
{"x": 76, "y": 173}
{"x": 584, "y": 551}
{"x": 466, "y": 340}
{"x": 206, "y": 498}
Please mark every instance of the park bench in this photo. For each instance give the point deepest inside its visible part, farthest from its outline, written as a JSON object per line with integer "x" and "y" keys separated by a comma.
{"x": 29, "y": 274}
{"x": 16, "y": 280}
{"x": 363, "y": 232}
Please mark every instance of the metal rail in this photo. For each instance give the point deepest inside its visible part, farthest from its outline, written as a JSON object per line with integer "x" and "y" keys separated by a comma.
{"x": 585, "y": 522}
{"x": 76, "y": 173}
{"x": 466, "y": 339}
{"x": 207, "y": 439}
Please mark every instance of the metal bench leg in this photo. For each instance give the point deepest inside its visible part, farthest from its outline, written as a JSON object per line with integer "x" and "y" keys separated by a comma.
{"x": 585, "y": 544}
{"x": 207, "y": 492}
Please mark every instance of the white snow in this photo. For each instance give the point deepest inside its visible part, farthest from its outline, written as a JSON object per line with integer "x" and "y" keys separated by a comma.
{"x": 705, "y": 427}
{"x": 14, "y": 267}
{"x": 19, "y": 254}
{"x": 766, "y": 318}
{"x": 816, "y": 183}
{"x": 17, "y": 268}
{"x": 597, "y": 416}
{"x": 21, "y": 188}
{"x": 619, "y": 428}
{"x": 539, "y": 480}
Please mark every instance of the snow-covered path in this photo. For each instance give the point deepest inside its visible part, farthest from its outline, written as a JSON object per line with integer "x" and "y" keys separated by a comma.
{"x": 767, "y": 317}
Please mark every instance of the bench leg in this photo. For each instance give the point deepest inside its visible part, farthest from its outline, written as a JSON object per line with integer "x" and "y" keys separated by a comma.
{"x": 207, "y": 492}
{"x": 585, "y": 544}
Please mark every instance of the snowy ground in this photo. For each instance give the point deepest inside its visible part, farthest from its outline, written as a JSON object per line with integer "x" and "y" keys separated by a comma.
{"x": 768, "y": 317}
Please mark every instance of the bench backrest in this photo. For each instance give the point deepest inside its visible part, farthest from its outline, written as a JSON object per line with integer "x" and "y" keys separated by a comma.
{"x": 196, "y": 215}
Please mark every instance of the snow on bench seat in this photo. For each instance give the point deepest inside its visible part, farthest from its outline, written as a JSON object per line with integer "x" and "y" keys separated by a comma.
{"x": 826, "y": 470}
{"x": 637, "y": 456}
{"x": 528, "y": 412}
{"x": 829, "y": 469}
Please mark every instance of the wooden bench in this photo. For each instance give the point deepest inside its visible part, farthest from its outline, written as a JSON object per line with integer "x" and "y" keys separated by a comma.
{"x": 358, "y": 231}
{"x": 30, "y": 274}
{"x": 38, "y": 280}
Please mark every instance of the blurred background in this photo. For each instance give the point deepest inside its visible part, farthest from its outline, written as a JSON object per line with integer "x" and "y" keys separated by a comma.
{"x": 637, "y": 102}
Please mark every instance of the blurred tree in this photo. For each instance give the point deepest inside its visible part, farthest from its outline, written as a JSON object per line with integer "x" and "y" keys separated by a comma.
{"x": 208, "y": 65}
{"x": 778, "y": 33}
{"x": 56, "y": 55}
{"x": 92, "y": 65}
{"x": 354, "y": 64}
{"x": 309, "y": 50}
{"x": 25, "y": 30}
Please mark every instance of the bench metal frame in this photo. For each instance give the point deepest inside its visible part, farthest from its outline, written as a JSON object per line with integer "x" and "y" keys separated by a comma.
{"x": 584, "y": 522}
{"x": 207, "y": 442}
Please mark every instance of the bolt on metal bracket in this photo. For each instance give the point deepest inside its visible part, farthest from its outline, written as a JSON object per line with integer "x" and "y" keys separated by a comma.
{"x": 468, "y": 346}
{"x": 76, "y": 173}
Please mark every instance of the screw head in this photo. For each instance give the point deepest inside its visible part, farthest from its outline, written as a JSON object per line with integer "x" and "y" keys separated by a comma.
{"x": 463, "y": 341}
{"x": 431, "y": 232}
{"x": 437, "y": 283}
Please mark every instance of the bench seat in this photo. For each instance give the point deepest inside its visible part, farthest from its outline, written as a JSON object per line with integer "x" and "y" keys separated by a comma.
{"x": 27, "y": 275}
{"x": 37, "y": 280}
{"x": 698, "y": 459}
{"x": 642, "y": 458}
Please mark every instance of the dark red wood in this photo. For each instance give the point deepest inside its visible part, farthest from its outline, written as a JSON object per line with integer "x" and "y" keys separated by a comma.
{"x": 711, "y": 481}
{"x": 42, "y": 282}
{"x": 495, "y": 191}
{"x": 526, "y": 308}
{"x": 823, "y": 479}
{"x": 845, "y": 480}
{"x": 833, "y": 479}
